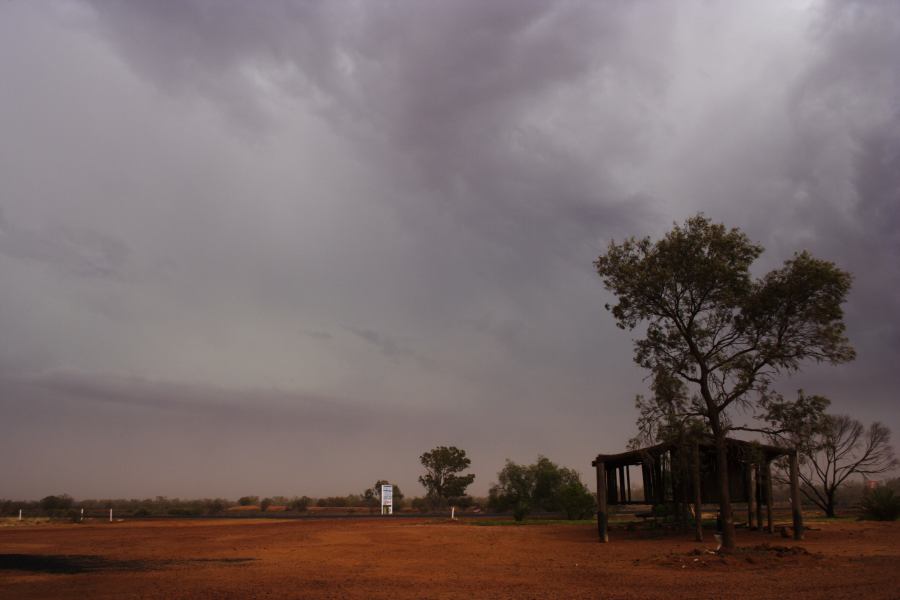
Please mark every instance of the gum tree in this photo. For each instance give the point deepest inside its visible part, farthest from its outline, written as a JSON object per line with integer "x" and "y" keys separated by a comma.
{"x": 712, "y": 324}
{"x": 441, "y": 479}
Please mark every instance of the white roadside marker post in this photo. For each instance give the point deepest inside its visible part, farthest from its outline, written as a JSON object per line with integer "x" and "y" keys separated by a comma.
{"x": 20, "y": 514}
{"x": 452, "y": 513}
{"x": 110, "y": 515}
{"x": 82, "y": 516}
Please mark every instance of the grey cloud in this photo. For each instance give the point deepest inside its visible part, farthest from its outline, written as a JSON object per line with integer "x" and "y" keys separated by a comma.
{"x": 72, "y": 250}
{"x": 439, "y": 175}
{"x": 386, "y": 344}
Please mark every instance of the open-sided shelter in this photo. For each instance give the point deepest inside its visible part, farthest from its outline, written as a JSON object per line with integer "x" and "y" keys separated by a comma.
{"x": 683, "y": 474}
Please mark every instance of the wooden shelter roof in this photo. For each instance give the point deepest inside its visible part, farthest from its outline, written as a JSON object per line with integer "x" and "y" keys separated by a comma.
{"x": 636, "y": 457}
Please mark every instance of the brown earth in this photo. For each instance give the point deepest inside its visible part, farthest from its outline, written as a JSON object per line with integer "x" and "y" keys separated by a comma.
{"x": 417, "y": 558}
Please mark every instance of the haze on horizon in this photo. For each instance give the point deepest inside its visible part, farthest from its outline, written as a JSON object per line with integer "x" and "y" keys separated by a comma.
{"x": 286, "y": 247}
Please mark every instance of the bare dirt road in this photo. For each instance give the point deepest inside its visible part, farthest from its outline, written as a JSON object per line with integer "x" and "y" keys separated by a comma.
{"x": 411, "y": 558}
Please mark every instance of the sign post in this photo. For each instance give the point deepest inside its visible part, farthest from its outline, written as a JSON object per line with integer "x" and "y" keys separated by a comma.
{"x": 387, "y": 499}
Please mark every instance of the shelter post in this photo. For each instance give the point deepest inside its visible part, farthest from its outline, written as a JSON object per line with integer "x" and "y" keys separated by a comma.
{"x": 751, "y": 496}
{"x": 759, "y": 496}
{"x": 770, "y": 521}
{"x": 795, "y": 495}
{"x": 698, "y": 512}
{"x": 601, "y": 502}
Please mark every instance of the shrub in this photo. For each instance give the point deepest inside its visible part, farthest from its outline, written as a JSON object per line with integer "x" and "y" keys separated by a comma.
{"x": 248, "y": 500}
{"x": 61, "y": 502}
{"x": 299, "y": 504}
{"x": 265, "y": 504}
{"x": 576, "y": 501}
{"x": 214, "y": 507}
{"x": 881, "y": 505}
{"x": 540, "y": 486}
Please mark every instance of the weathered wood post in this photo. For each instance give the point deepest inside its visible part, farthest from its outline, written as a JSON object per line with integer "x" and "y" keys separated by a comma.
{"x": 698, "y": 511}
{"x": 751, "y": 496}
{"x": 795, "y": 495}
{"x": 601, "y": 502}
{"x": 628, "y": 482}
{"x": 770, "y": 521}
{"x": 760, "y": 496}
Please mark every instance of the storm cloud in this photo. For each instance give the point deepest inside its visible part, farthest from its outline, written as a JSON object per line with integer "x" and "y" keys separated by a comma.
{"x": 286, "y": 247}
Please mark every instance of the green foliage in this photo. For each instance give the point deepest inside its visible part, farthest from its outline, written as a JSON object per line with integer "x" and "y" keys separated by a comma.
{"x": 540, "y": 486}
{"x": 56, "y": 503}
{"x": 420, "y": 504}
{"x": 248, "y": 500}
{"x": 214, "y": 506}
{"x": 576, "y": 501}
{"x": 515, "y": 490}
{"x": 334, "y": 502}
{"x": 441, "y": 480}
{"x": 265, "y": 504}
{"x": 299, "y": 504}
{"x": 881, "y": 504}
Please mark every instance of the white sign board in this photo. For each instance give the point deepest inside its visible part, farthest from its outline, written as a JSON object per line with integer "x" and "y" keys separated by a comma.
{"x": 387, "y": 499}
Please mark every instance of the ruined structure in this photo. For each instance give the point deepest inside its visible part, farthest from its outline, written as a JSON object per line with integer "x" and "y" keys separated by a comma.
{"x": 682, "y": 475}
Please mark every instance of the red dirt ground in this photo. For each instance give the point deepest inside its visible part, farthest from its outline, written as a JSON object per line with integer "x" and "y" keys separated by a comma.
{"x": 407, "y": 558}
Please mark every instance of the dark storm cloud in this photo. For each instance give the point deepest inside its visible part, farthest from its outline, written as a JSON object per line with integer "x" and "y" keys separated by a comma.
{"x": 199, "y": 197}
{"x": 847, "y": 166}
{"x": 301, "y": 412}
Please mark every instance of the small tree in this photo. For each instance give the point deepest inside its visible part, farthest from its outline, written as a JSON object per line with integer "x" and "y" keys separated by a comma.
{"x": 55, "y": 503}
{"x": 832, "y": 447}
{"x": 715, "y": 327}
{"x": 441, "y": 482}
{"x": 248, "y": 500}
{"x": 300, "y": 504}
{"x": 265, "y": 504}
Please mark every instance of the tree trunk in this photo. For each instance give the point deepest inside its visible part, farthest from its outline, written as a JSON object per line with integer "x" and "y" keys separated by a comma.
{"x": 722, "y": 481}
{"x": 829, "y": 506}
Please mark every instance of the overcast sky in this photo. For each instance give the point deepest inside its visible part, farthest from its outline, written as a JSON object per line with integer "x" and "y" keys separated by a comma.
{"x": 285, "y": 247}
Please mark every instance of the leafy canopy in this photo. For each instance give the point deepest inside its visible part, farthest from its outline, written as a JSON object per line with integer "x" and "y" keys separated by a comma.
{"x": 711, "y": 323}
{"x": 441, "y": 480}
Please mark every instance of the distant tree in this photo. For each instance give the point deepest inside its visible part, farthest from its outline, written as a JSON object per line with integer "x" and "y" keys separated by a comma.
{"x": 832, "y": 447}
{"x": 299, "y": 504}
{"x": 248, "y": 500}
{"x": 514, "y": 490}
{"x": 60, "y": 502}
{"x": 714, "y": 326}
{"x": 265, "y": 504}
{"x": 398, "y": 495}
{"x": 543, "y": 485}
{"x": 214, "y": 506}
{"x": 441, "y": 481}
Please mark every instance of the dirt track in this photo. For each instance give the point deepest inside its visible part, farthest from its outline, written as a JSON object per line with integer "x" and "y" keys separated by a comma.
{"x": 421, "y": 559}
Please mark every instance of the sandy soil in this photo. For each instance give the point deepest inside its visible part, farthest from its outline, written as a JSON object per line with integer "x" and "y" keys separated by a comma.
{"x": 406, "y": 558}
